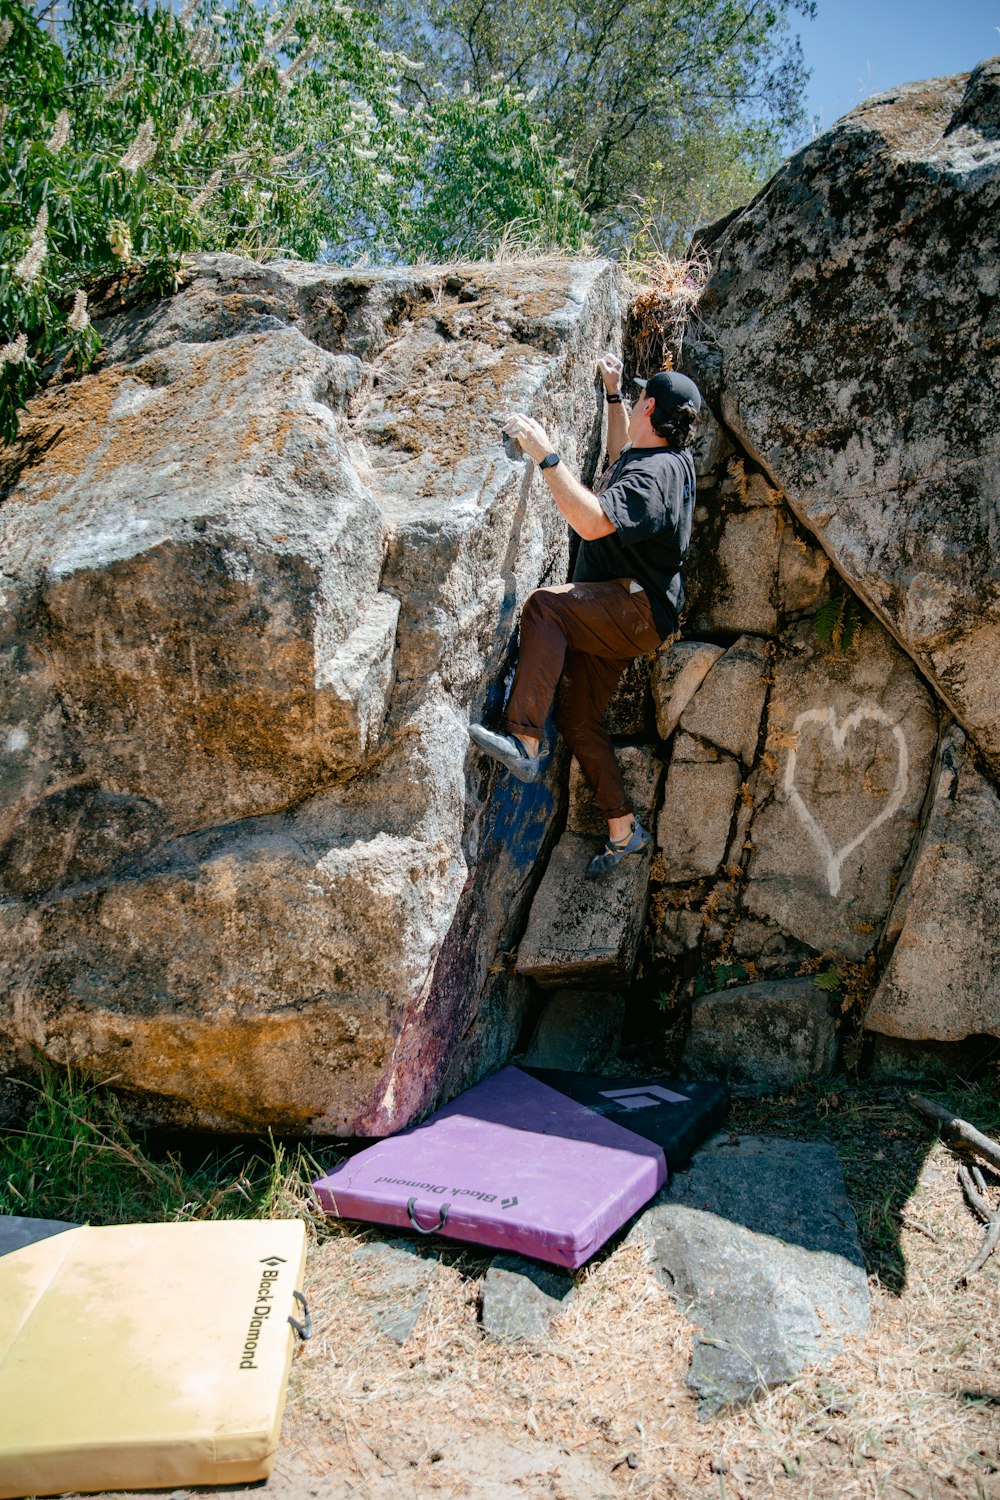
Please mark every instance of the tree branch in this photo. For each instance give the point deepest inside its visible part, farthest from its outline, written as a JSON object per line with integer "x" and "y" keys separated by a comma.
{"x": 958, "y": 1133}
{"x": 974, "y": 1188}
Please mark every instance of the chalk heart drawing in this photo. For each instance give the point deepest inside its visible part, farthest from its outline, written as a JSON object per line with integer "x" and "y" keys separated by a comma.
{"x": 839, "y": 730}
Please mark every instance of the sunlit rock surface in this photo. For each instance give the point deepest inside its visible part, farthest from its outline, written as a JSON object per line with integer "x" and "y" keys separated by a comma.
{"x": 258, "y": 569}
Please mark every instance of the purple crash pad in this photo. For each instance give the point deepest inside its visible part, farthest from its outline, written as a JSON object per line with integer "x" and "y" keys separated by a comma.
{"x": 511, "y": 1163}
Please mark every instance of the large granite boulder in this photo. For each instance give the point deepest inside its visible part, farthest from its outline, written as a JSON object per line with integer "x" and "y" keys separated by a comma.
{"x": 855, "y": 321}
{"x": 258, "y": 569}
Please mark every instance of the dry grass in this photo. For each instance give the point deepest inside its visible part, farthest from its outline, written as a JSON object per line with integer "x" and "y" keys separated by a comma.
{"x": 666, "y": 300}
{"x": 913, "y": 1410}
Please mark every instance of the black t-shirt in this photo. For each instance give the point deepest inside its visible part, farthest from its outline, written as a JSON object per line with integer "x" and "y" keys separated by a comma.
{"x": 648, "y": 496}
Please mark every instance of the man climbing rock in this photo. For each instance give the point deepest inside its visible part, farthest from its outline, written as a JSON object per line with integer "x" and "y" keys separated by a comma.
{"x": 627, "y": 590}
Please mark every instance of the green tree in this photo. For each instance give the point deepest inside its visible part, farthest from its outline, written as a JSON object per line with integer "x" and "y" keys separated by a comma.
{"x": 667, "y": 111}
{"x": 132, "y": 136}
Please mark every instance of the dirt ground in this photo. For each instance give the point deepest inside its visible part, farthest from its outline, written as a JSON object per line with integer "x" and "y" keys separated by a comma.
{"x": 603, "y": 1410}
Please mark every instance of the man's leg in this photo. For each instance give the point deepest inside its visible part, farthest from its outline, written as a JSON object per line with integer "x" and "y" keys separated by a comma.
{"x": 599, "y": 619}
{"x": 585, "y": 690}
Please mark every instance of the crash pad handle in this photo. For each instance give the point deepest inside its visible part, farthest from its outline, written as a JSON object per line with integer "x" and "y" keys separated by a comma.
{"x": 411, "y": 1214}
{"x": 304, "y": 1329}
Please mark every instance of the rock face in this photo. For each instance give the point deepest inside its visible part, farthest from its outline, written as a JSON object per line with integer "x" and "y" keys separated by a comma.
{"x": 794, "y": 793}
{"x": 584, "y": 931}
{"x": 257, "y": 571}
{"x": 855, "y": 305}
{"x": 577, "y": 1031}
{"x": 943, "y": 979}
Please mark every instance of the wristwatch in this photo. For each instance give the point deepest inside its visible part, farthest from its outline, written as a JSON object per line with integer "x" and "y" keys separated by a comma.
{"x": 549, "y": 461}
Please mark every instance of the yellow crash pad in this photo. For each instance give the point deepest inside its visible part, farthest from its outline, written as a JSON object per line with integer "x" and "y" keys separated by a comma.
{"x": 146, "y": 1355}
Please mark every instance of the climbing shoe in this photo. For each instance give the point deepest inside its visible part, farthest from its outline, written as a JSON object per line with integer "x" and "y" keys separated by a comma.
{"x": 615, "y": 851}
{"x": 509, "y": 751}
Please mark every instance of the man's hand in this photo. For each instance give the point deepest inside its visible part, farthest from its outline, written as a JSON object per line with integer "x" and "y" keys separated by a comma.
{"x": 530, "y": 435}
{"x": 610, "y": 369}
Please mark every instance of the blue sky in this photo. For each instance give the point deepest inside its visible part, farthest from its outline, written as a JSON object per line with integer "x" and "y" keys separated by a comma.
{"x": 860, "y": 47}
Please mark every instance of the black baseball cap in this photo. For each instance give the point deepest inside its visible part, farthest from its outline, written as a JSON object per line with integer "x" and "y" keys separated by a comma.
{"x": 670, "y": 391}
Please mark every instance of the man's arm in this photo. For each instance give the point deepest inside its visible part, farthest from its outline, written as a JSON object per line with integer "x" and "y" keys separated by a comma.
{"x": 610, "y": 369}
{"x": 579, "y": 505}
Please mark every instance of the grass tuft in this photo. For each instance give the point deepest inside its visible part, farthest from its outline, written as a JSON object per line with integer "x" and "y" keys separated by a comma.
{"x": 74, "y": 1157}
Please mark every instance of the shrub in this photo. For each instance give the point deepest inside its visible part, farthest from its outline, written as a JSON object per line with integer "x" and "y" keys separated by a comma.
{"x": 132, "y": 137}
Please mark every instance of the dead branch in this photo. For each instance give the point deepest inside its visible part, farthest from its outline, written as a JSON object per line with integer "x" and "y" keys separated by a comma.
{"x": 916, "y": 1226}
{"x": 974, "y": 1188}
{"x": 958, "y": 1133}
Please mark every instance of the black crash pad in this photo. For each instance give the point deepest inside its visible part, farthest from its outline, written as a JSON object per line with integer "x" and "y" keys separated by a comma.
{"x": 676, "y": 1114}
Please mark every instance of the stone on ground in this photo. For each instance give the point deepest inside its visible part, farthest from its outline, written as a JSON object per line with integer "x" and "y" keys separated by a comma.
{"x": 758, "y": 1243}
{"x": 521, "y": 1297}
{"x": 778, "y": 1032}
{"x": 400, "y": 1276}
{"x": 578, "y": 1030}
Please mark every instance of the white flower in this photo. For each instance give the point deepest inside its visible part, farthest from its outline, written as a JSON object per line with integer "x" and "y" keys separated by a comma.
{"x": 205, "y": 47}
{"x": 6, "y": 31}
{"x": 212, "y": 186}
{"x": 16, "y": 351}
{"x": 533, "y": 141}
{"x": 343, "y": 10}
{"x": 117, "y": 89}
{"x": 287, "y": 74}
{"x": 466, "y": 87}
{"x": 384, "y": 179}
{"x": 557, "y": 193}
{"x": 120, "y": 240}
{"x": 272, "y": 42}
{"x": 515, "y": 159}
{"x": 79, "y": 316}
{"x": 142, "y": 149}
{"x": 60, "y": 131}
{"x": 397, "y": 110}
{"x": 31, "y": 262}
{"x": 489, "y": 103}
{"x": 183, "y": 126}
{"x": 365, "y": 155}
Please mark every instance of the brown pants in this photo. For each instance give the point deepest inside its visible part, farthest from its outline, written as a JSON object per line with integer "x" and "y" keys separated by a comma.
{"x": 579, "y": 638}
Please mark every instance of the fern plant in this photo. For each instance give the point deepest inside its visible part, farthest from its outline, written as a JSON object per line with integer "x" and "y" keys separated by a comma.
{"x": 838, "y": 621}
